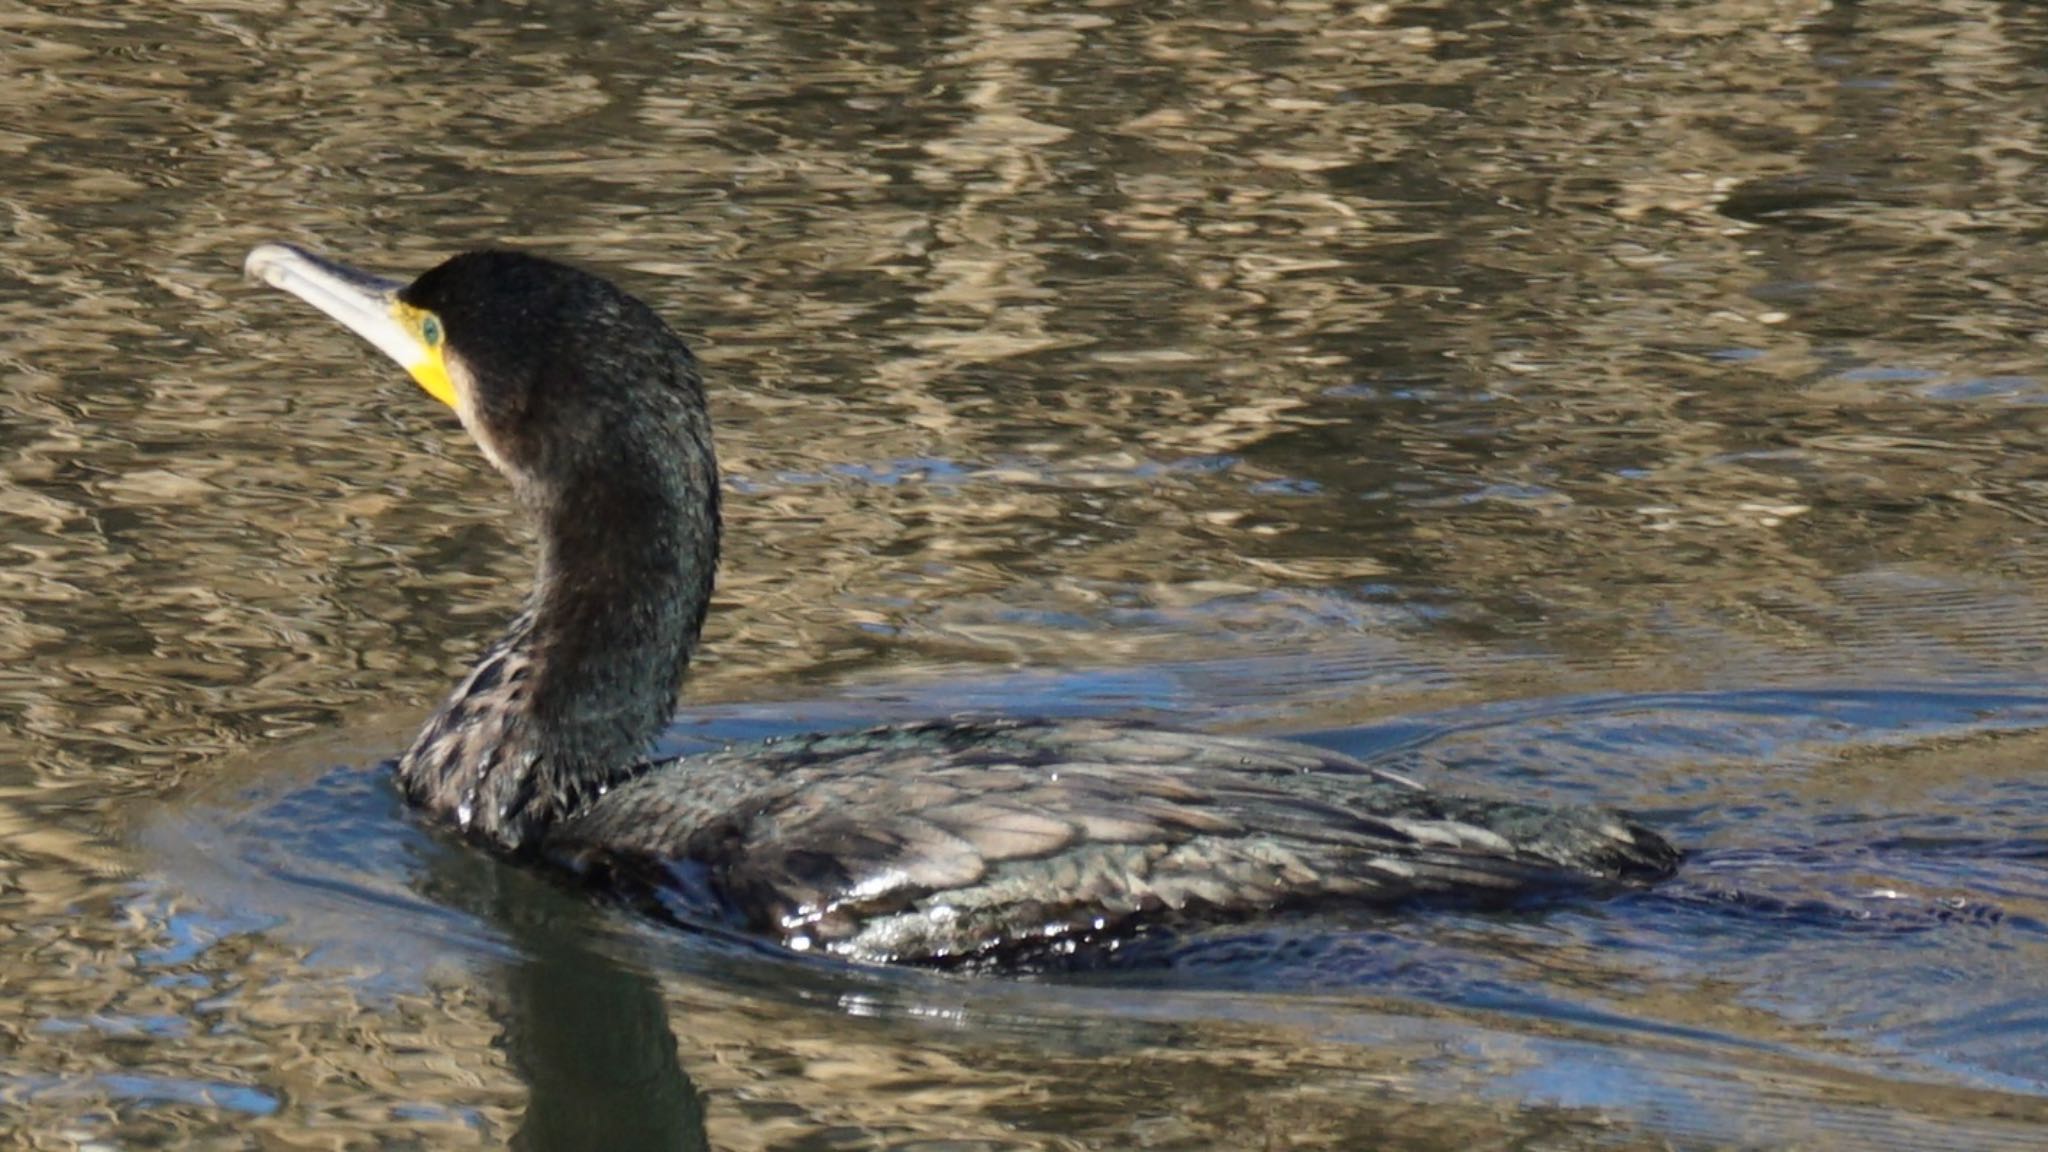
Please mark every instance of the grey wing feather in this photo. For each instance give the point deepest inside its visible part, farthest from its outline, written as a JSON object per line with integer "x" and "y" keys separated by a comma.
{"x": 959, "y": 840}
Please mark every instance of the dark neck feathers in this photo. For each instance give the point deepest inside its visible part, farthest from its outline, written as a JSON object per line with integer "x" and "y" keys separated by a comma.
{"x": 568, "y": 701}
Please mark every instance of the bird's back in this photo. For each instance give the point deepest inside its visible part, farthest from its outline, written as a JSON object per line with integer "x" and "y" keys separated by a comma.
{"x": 960, "y": 841}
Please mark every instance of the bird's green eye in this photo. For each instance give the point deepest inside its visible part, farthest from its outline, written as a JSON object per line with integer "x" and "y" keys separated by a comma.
{"x": 430, "y": 331}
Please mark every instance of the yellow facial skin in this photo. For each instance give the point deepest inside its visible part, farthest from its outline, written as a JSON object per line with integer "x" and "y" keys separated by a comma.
{"x": 367, "y": 305}
{"x": 431, "y": 369}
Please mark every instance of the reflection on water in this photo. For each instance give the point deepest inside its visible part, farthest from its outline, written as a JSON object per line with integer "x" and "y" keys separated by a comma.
{"x": 589, "y": 1037}
{"x": 1631, "y": 402}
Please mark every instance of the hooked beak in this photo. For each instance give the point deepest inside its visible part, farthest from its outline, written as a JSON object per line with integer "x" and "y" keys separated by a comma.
{"x": 365, "y": 304}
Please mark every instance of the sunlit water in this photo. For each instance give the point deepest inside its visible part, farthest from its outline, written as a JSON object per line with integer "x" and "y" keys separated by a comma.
{"x": 1619, "y": 403}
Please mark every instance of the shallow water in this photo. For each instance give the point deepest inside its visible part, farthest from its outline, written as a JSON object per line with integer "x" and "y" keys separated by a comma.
{"x": 1591, "y": 402}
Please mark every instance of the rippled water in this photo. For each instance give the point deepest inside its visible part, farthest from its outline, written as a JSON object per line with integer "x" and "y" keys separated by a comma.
{"x": 1631, "y": 402}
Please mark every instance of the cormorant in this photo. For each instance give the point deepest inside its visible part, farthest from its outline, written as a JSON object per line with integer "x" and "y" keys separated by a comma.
{"x": 978, "y": 842}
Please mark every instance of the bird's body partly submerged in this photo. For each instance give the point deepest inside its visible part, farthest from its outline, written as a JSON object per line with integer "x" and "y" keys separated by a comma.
{"x": 956, "y": 841}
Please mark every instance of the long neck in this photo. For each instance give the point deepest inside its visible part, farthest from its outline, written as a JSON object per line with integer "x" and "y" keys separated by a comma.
{"x": 569, "y": 699}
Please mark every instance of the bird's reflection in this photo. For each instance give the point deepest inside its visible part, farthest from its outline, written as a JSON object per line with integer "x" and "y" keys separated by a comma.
{"x": 588, "y": 1034}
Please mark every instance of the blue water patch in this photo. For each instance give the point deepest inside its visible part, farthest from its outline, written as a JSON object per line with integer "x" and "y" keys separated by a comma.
{"x": 139, "y": 1089}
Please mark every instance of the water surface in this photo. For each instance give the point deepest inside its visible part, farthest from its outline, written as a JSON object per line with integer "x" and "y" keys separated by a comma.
{"x": 1626, "y": 403}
